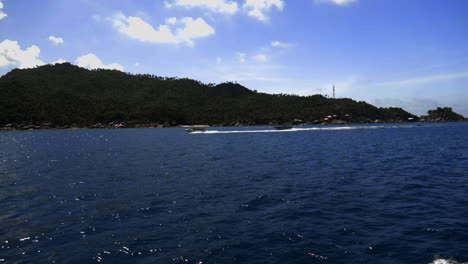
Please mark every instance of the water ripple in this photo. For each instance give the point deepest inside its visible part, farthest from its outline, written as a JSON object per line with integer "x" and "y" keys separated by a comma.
{"x": 354, "y": 194}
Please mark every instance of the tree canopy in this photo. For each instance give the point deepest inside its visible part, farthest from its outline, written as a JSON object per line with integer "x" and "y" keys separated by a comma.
{"x": 66, "y": 94}
{"x": 444, "y": 114}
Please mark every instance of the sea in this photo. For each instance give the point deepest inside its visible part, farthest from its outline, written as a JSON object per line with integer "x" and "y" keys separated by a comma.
{"x": 386, "y": 193}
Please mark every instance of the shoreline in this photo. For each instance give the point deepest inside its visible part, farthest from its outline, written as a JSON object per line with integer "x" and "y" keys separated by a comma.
{"x": 122, "y": 125}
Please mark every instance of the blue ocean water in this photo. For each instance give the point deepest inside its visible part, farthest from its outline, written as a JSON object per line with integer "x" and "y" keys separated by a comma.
{"x": 354, "y": 194}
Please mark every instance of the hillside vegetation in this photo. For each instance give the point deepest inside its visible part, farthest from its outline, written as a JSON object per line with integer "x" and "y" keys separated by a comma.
{"x": 442, "y": 114}
{"x": 65, "y": 94}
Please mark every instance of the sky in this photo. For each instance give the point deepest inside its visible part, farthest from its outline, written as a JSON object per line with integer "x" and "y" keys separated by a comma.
{"x": 410, "y": 54}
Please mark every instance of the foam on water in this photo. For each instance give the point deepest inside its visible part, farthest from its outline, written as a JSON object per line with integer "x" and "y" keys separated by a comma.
{"x": 446, "y": 261}
{"x": 298, "y": 129}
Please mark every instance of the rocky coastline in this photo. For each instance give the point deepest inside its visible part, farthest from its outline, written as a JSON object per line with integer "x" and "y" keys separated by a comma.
{"x": 139, "y": 124}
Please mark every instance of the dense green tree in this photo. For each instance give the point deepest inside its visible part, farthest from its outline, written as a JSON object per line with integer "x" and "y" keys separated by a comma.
{"x": 65, "y": 94}
{"x": 444, "y": 114}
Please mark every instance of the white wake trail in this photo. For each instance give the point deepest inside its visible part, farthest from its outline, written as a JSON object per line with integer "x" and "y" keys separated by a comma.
{"x": 298, "y": 129}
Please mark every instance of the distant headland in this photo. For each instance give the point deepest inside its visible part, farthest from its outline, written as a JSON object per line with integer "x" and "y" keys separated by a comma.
{"x": 66, "y": 96}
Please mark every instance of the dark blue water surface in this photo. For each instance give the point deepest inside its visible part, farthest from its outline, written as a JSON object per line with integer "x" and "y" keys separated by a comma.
{"x": 384, "y": 194}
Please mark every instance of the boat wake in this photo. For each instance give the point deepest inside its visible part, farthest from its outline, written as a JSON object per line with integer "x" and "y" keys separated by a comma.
{"x": 299, "y": 129}
{"x": 446, "y": 261}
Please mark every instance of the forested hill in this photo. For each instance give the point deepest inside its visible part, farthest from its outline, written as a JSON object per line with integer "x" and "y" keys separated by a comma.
{"x": 64, "y": 94}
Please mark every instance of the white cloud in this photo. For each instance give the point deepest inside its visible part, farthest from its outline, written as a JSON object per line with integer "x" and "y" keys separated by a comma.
{"x": 137, "y": 64}
{"x": 259, "y": 8}
{"x": 175, "y": 30}
{"x": 241, "y": 57}
{"x": 220, "y": 6}
{"x": 171, "y": 20}
{"x": 56, "y": 40}
{"x": 337, "y": 2}
{"x": 193, "y": 29}
{"x": 260, "y": 58}
{"x": 11, "y": 54}
{"x": 425, "y": 79}
{"x": 278, "y": 44}
{"x": 219, "y": 60}
{"x": 137, "y": 28}
{"x": 2, "y": 15}
{"x": 91, "y": 61}
{"x": 59, "y": 61}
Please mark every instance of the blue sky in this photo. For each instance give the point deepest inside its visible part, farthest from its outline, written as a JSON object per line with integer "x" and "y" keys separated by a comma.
{"x": 412, "y": 54}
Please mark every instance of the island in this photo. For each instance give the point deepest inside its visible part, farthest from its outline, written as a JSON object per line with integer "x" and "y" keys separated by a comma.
{"x": 442, "y": 114}
{"x": 64, "y": 96}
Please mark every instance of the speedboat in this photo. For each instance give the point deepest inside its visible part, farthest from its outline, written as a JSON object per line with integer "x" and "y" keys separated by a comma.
{"x": 283, "y": 127}
{"x": 196, "y": 129}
